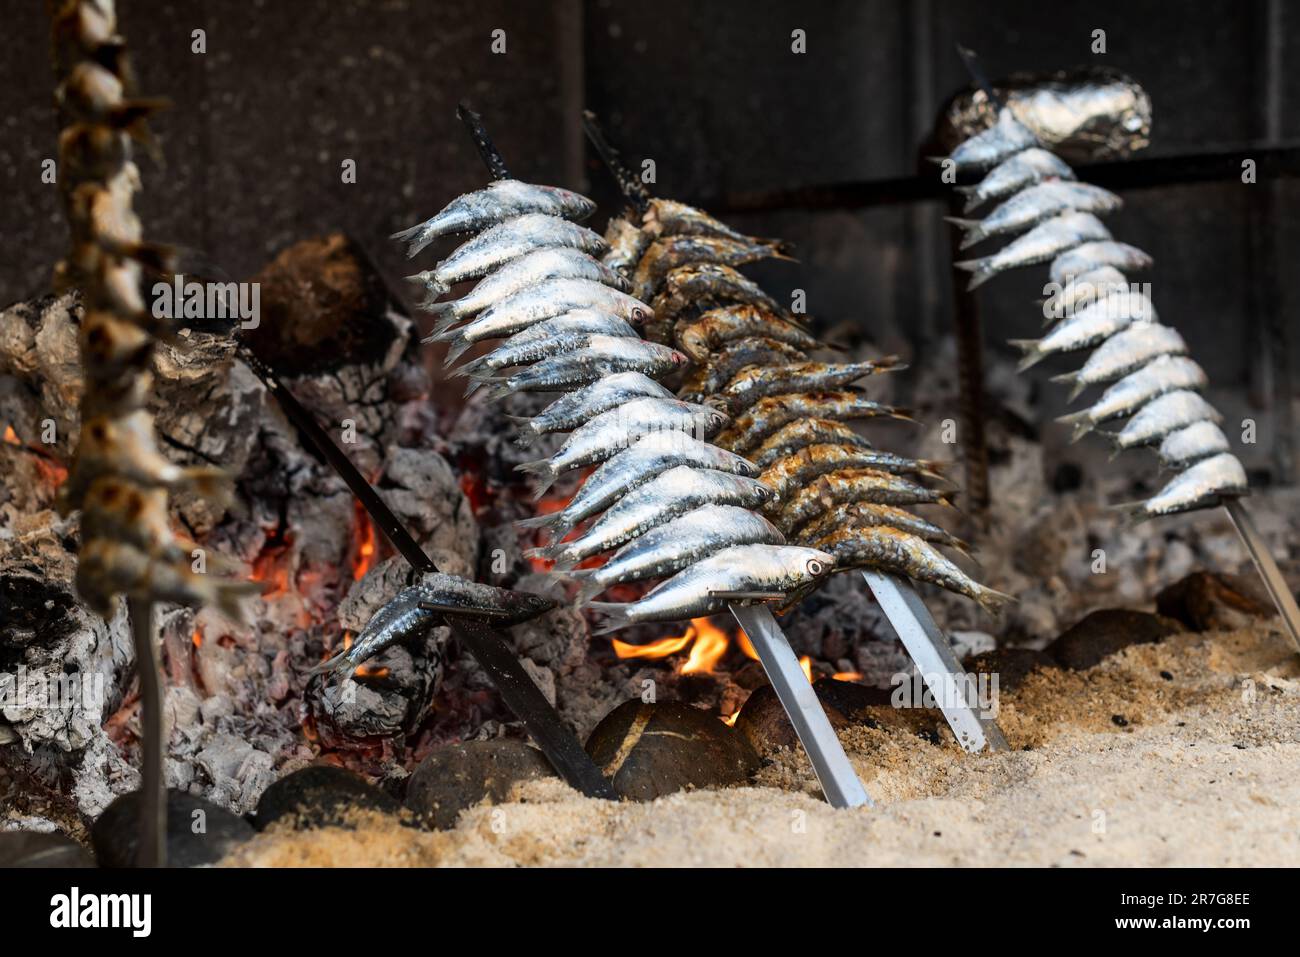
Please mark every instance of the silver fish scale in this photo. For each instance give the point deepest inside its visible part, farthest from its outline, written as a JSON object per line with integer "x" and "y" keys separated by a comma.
{"x": 1157, "y": 386}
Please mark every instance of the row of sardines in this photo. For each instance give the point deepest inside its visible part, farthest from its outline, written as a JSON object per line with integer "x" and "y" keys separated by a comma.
{"x": 659, "y": 501}
{"x": 1149, "y": 379}
{"x": 789, "y": 413}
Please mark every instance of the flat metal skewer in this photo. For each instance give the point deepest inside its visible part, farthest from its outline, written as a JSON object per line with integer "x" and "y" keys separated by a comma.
{"x": 1277, "y": 587}
{"x": 152, "y": 849}
{"x": 838, "y": 779}
{"x": 934, "y": 658}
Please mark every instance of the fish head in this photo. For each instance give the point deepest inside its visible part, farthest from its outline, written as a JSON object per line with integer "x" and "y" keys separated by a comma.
{"x": 640, "y": 314}
{"x": 807, "y": 565}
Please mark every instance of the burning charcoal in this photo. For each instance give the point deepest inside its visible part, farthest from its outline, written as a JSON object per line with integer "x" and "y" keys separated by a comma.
{"x": 1105, "y": 632}
{"x": 32, "y": 849}
{"x": 198, "y": 831}
{"x": 459, "y": 776}
{"x": 1011, "y": 665}
{"x": 1205, "y": 601}
{"x": 320, "y": 796}
{"x": 649, "y": 750}
{"x": 765, "y": 725}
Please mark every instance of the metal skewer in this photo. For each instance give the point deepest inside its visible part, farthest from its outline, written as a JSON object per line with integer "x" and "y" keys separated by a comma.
{"x": 487, "y": 645}
{"x": 934, "y": 658}
{"x": 1277, "y": 587}
{"x": 151, "y": 851}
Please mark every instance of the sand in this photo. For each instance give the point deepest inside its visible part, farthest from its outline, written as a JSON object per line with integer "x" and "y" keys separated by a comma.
{"x": 1118, "y": 765}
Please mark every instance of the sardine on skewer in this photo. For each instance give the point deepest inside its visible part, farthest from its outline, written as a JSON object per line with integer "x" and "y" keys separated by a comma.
{"x": 1161, "y": 375}
{"x": 1013, "y": 174}
{"x": 851, "y": 485}
{"x": 570, "y": 411}
{"x": 709, "y": 586}
{"x": 672, "y": 252}
{"x": 702, "y": 336}
{"x": 1123, "y": 353}
{"x": 802, "y": 433}
{"x": 1048, "y": 239}
{"x": 499, "y": 201}
{"x": 1190, "y": 444}
{"x": 413, "y": 611}
{"x": 598, "y": 357}
{"x": 1170, "y": 412}
{"x": 666, "y": 550}
{"x": 768, "y": 414}
{"x": 707, "y": 379}
{"x": 1091, "y": 325}
{"x": 750, "y": 385}
{"x": 710, "y": 285}
{"x": 1031, "y": 206}
{"x": 787, "y": 475}
{"x": 668, "y": 217}
{"x": 868, "y": 514}
{"x": 1204, "y": 484}
{"x": 1102, "y": 251}
{"x": 1082, "y": 291}
{"x": 1004, "y": 139}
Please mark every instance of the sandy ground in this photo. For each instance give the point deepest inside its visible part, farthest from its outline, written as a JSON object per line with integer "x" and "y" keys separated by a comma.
{"x": 1119, "y": 765}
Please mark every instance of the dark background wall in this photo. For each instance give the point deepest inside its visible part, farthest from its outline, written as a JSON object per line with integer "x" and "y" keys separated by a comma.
{"x": 712, "y": 92}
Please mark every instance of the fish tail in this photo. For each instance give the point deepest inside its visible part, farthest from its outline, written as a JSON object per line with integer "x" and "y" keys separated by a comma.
{"x": 455, "y": 351}
{"x": 887, "y": 364}
{"x": 442, "y": 326}
{"x": 1030, "y": 353}
{"x": 901, "y": 413}
{"x": 609, "y": 616}
{"x": 441, "y": 309}
{"x": 1073, "y": 381}
{"x": 781, "y": 249}
{"x": 1081, "y": 423}
{"x": 467, "y": 369}
{"x": 543, "y": 471}
{"x": 992, "y": 601}
{"x": 590, "y": 586}
{"x": 980, "y": 269}
{"x": 549, "y": 520}
{"x": 416, "y": 239}
{"x": 931, "y": 469}
{"x": 332, "y": 665}
{"x": 499, "y": 391}
{"x": 971, "y": 227}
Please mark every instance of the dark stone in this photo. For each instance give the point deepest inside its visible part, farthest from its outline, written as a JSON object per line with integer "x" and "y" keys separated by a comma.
{"x": 31, "y": 849}
{"x": 649, "y": 750}
{"x": 459, "y": 776}
{"x": 1206, "y": 601}
{"x": 765, "y": 725}
{"x": 115, "y": 833}
{"x": 320, "y": 795}
{"x": 1103, "y": 633}
{"x": 1119, "y": 720}
{"x": 1011, "y": 665}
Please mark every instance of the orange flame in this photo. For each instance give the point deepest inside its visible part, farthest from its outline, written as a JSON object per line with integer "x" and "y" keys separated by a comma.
{"x": 707, "y": 642}
{"x": 197, "y": 638}
{"x": 365, "y": 556}
{"x": 806, "y": 664}
{"x": 11, "y": 436}
{"x": 847, "y": 676}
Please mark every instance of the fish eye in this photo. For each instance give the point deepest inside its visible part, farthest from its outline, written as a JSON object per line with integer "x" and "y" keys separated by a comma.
{"x": 815, "y": 567}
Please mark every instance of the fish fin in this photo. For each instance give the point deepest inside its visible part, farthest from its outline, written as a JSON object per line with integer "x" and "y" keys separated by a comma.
{"x": 590, "y": 587}
{"x": 900, "y": 413}
{"x": 416, "y": 239}
{"x": 1073, "y": 380}
{"x": 931, "y": 469}
{"x": 1030, "y": 355}
{"x": 992, "y": 601}
{"x": 337, "y": 663}
{"x": 441, "y": 309}
{"x": 499, "y": 391}
{"x": 547, "y": 521}
{"x": 960, "y": 223}
{"x": 442, "y": 329}
{"x": 544, "y": 472}
{"x": 467, "y": 369}
{"x": 980, "y": 270}
{"x": 609, "y": 616}
{"x": 1081, "y": 423}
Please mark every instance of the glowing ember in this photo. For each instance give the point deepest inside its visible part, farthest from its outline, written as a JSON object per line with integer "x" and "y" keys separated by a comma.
{"x": 272, "y": 566}
{"x": 197, "y": 638}
{"x": 365, "y": 556}
{"x": 11, "y": 436}
{"x": 730, "y": 719}
{"x": 847, "y": 676}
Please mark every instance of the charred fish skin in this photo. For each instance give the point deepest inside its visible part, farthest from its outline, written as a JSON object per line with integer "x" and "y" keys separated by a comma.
{"x": 711, "y": 284}
{"x": 1013, "y": 174}
{"x": 1203, "y": 485}
{"x": 571, "y": 411}
{"x": 671, "y": 252}
{"x": 667, "y": 549}
{"x": 704, "y": 588}
{"x": 715, "y": 327}
{"x": 627, "y": 244}
{"x": 647, "y": 457}
{"x": 904, "y": 554}
{"x": 1170, "y": 412}
{"x": 499, "y": 201}
{"x": 661, "y": 499}
{"x": 786, "y": 475}
{"x": 599, "y": 357}
{"x": 1094, "y": 323}
{"x": 1031, "y": 206}
{"x": 802, "y": 433}
{"x": 1123, "y": 353}
{"x": 770, "y": 413}
{"x": 707, "y": 380}
{"x": 1191, "y": 444}
{"x": 749, "y": 385}
{"x": 852, "y": 485}
{"x": 668, "y": 217}
{"x": 866, "y": 514}
{"x": 611, "y": 432}
{"x": 559, "y": 262}
{"x": 1161, "y": 375}
{"x": 1047, "y": 240}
